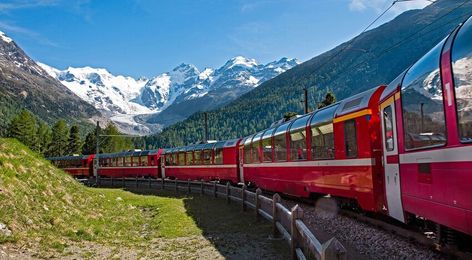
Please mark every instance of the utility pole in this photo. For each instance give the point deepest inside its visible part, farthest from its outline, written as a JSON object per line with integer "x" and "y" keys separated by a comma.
{"x": 305, "y": 100}
{"x": 206, "y": 127}
{"x": 305, "y": 90}
{"x": 97, "y": 149}
{"x": 97, "y": 134}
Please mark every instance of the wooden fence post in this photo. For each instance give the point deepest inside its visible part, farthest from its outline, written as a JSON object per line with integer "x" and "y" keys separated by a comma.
{"x": 215, "y": 189}
{"x": 243, "y": 196}
{"x": 112, "y": 184}
{"x": 176, "y": 186}
{"x": 163, "y": 183}
{"x": 297, "y": 213}
{"x": 150, "y": 183}
{"x": 227, "y": 192}
{"x": 189, "y": 189}
{"x": 333, "y": 249}
{"x": 275, "y": 218}
{"x": 257, "y": 202}
{"x": 123, "y": 181}
{"x": 137, "y": 185}
{"x": 202, "y": 190}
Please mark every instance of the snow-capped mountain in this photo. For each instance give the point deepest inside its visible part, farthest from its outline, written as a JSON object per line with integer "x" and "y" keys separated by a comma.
{"x": 100, "y": 88}
{"x": 24, "y": 84}
{"x": 186, "y": 82}
{"x": 122, "y": 97}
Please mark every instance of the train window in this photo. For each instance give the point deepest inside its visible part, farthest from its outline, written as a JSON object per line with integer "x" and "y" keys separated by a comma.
{"x": 189, "y": 158}
{"x": 322, "y": 137}
{"x": 247, "y": 150}
{"x": 350, "y": 138}
{"x": 144, "y": 160}
{"x": 267, "y": 145}
{"x": 168, "y": 159}
{"x": 256, "y": 151}
{"x": 422, "y": 103}
{"x": 153, "y": 162}
{"x": 174, "y": 158}
{"x": 198, "y": 157}
{"x": 298, "y": 147}
{"x": 388, "y": 128}
{"x": 206, "y": 156}
{"x": 181, "y": 158}
{"x": 280, "y": 142}
{"x": 462, "y": 68}
{"x": 218, "y": 155}
{"x": 128, "y": 161}
{"x": 322, "y": 141}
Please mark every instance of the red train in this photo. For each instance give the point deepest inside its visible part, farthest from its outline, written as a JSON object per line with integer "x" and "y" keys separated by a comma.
{"x": 404, "y": 150}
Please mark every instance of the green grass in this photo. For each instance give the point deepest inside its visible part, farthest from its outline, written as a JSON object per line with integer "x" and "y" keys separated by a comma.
{"x": 48, "y": 210}
{"x": 38, "y": 201}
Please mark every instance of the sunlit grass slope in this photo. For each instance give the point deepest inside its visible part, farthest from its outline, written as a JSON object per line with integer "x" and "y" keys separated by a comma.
{"x": 41, "y": 203}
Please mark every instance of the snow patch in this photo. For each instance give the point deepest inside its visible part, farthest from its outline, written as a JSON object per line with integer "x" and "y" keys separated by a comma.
{"x": 5, "y": 38}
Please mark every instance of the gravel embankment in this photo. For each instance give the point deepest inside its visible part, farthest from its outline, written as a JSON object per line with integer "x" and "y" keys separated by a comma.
{"x": 362, "y": 241}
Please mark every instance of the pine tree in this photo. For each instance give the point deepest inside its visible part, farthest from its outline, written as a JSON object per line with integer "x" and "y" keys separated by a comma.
{"x": 114, "y": 143}
{"x": 289, "y": 115}
{"x": 330, "y": 98}
{"x": 23, "y": 128}
{"x": 74, "y": 142}
{"x": 90, "y": 143}
{"x": 60, "y": 136}
{"x": 44, "y": 137}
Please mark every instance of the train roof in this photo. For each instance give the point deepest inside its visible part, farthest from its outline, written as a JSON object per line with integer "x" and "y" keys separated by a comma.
{"x": 355, "y": 103}
{"x": 68, "y": 158}
{"x": 393, "y": 86}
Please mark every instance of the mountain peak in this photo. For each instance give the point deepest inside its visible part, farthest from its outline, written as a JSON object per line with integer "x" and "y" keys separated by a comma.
{"x": 5, "y": 38}
{"x": 240, "y": 61}
{"x": 183, "y": 67}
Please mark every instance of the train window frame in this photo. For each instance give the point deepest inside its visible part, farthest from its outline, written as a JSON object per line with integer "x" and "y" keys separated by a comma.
{"x": 256, "y": 148}
{"x": 435, "y": 53}
{"x": 281, "y": 131}
{"x": 385, "y": 129}
{"x": 322, "y": 118}
{"x": 347, "y": 123}
{"x": 247, "y": 153}
{"x": 299, "y": 127}
{"x": 457, "y": 54}
{"x": 267, "y": 137}
{"x": 144, "y": 160}
{"x": 218, "y": 153}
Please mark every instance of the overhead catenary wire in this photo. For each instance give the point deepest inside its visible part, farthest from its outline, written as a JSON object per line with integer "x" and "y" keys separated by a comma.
{"x": 402, "y": 41}
{"x": 363, "y": 31}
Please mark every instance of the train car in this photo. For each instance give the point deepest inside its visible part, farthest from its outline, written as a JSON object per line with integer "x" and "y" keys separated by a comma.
{"x": 427, "y": 136}
{"x": 210, "y": 162}
{"x": 78, "y": 166}
{"x": 334, "y": 150}
{"x": 130, "y": 164}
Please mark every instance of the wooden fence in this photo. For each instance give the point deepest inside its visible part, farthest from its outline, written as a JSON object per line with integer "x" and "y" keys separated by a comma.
{"x": 286, "y": 223}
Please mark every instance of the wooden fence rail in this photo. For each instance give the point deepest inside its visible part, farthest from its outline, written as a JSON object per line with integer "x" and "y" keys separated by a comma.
{"x": 286, "y": 223}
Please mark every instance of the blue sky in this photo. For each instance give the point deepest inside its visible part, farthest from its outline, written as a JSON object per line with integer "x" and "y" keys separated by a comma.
{"x": 148, "y": 37}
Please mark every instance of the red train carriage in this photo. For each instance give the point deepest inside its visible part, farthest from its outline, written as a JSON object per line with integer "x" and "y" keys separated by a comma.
{"x": 211, "y": 161}
{"x": 428, "y": 156}
{"x": 77, "y": 166}
{"x": 334, "y": 150}
{"x": 130, "y": 164}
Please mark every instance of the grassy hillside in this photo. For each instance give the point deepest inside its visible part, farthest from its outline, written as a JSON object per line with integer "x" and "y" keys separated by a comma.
{"x": 372, "y": 58}
{"x": 52, "y": 215}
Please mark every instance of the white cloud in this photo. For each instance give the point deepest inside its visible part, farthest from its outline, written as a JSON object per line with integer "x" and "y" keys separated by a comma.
{"x": 380, "y": 5}
{"x": 357, "y": 5}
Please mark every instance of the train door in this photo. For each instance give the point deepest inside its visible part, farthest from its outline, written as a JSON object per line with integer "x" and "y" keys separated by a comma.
{"x": 391, "y": 160}
{"x": 241, "y": 164}
{"x": 163, "y": 165}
